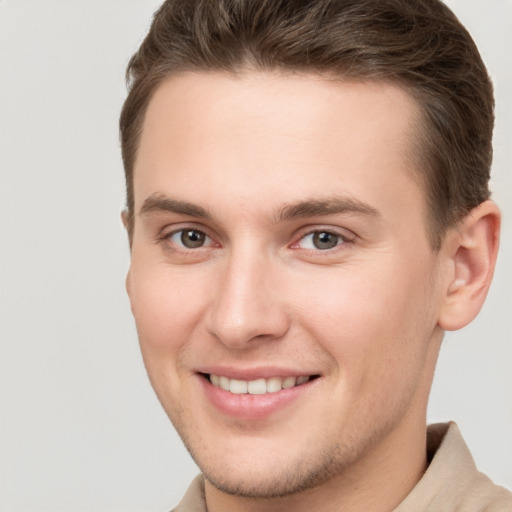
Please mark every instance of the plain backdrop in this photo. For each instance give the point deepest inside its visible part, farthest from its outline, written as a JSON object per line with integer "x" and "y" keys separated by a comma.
{"x": 80, "y": 427}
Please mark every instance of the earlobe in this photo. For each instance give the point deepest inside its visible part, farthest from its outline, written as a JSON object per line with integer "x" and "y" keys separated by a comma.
{"x": 472, "y": 251}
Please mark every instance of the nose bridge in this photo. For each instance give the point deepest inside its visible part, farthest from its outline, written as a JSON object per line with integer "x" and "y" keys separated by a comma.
{"x": 246, "y": 301}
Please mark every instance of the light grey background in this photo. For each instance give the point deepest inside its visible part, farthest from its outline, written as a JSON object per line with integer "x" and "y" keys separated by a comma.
{"x": 80, "y": 428}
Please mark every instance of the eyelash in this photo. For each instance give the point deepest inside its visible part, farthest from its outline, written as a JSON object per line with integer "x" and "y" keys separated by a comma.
{"x": 342, "y": 239}
{"x": 168, "y": 236}
{"x": 175, "y": 246}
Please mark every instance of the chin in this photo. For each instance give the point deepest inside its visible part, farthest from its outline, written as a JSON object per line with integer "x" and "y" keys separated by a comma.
{"x": 274, "y": 485}
{"x": 270, "y": 477}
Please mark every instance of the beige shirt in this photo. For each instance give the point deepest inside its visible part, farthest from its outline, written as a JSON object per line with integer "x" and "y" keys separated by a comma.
{"x": 451, "y": 483}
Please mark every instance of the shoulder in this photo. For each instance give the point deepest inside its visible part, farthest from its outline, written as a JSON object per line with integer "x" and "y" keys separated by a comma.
{"x": 452, "y": 482}
{"x": 193, "y": 500}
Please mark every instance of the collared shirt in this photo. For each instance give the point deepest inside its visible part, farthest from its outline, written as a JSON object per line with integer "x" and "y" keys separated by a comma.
{"x": 451, "y": 483}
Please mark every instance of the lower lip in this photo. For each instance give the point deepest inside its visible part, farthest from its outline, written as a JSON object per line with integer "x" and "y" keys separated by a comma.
{"x": 252, "y": 407}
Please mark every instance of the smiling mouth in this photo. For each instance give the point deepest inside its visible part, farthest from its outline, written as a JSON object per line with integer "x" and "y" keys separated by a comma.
{"x": 258, "y": 386}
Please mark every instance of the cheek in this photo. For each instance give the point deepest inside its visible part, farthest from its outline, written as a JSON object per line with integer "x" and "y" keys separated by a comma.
{"x": 166, "y": 312}
{"x": 371, "y": 323}
{"x": 165, "y": 308}
{"x": 377, "y": 336}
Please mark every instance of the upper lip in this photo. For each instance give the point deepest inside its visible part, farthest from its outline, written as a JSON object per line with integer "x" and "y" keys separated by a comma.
{"x": 263, "y": 372}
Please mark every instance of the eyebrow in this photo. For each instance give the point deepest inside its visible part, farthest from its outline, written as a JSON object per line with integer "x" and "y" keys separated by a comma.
{"x": 160, "y": 203}
{"x": 302, "y": 209}
{"x": 327, "y": 206}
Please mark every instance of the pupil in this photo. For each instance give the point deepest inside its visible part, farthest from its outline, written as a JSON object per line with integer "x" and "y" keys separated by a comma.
{"x": 325, "y": 240}
{"x": 192, "y": 238}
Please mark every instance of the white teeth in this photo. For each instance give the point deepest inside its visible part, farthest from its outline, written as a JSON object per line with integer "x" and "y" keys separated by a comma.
{"x": 274, "y": 384}
{"x": 238, "y": 386}
{"x": 302, "y": 379}
{"x": 258, "y": 386}
{"x": 289, "y": 382}
{"x": 224, "y": 383}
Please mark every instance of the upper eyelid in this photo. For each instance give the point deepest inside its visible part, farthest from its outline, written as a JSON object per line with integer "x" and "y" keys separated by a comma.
{"x": 165, "y": 233}
{"x": 171, "y": 229}
{"x": 344, "y": 233}
{"x": 332, "y": 231}
{"x": 180, "y": 230}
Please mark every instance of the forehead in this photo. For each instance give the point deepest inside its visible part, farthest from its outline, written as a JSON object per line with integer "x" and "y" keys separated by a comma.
{"x": 293, "y": 134}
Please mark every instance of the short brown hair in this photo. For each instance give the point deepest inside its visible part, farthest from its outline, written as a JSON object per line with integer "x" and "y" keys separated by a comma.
{"x": 418, "y": 44}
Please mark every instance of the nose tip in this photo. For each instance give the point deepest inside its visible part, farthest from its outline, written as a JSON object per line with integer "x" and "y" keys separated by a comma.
{"x": 238, "y": 322}
{"x": 238, "y": 334}
{"x": 247, "y": 308}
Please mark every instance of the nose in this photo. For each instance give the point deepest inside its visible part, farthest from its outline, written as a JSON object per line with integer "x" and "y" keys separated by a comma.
{"x": 247, "y": 304}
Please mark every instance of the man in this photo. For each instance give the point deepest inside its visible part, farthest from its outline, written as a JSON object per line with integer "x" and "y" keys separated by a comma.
{"x": 308, "y": 211}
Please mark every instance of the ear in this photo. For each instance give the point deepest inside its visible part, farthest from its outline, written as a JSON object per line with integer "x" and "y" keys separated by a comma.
{"x": 127, "y": 283}
{"x": 124, "y": 218}
{"x": 471, "y": 250}
{"x": 128, "y": 225}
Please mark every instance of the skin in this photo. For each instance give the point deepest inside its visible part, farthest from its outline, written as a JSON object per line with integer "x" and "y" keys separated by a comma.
{"x": 232, "y": 157}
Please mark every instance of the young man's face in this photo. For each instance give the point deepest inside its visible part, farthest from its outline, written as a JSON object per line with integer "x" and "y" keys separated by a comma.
{"x": 280, "y": 236}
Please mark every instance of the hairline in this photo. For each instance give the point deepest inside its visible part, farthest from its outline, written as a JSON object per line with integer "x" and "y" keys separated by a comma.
{"x": 415, "y": 154}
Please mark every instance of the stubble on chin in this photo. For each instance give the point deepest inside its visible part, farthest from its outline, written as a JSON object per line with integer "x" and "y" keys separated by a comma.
{"x": 274, "y": 478}
{"x": 278, "y": 478}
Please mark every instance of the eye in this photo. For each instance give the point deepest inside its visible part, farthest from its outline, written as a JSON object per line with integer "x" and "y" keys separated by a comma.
{"x": 320, "y": 240}
{"x": 190, "y": 238}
